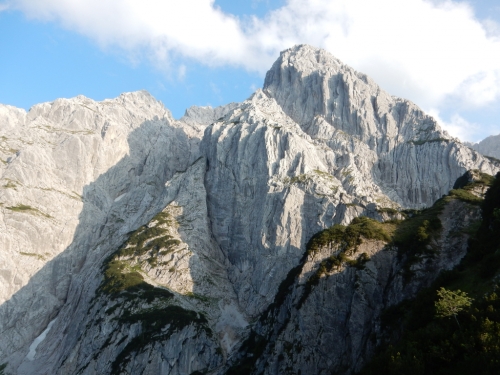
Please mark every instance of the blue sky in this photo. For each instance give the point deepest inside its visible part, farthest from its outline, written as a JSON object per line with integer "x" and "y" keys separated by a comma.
{"x": 43, "y": 62}
{"x": 443, "y": 55}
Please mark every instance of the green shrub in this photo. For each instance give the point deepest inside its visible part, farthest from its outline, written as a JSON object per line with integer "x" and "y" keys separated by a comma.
{"x": 347, "y": 239}
{"x": 388, "y": 210}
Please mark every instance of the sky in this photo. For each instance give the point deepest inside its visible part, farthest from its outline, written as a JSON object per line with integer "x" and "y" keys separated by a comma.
{"x": 443, "y": 55}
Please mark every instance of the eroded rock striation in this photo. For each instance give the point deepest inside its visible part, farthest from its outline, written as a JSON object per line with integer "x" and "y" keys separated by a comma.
{"x": 132, "y": 242}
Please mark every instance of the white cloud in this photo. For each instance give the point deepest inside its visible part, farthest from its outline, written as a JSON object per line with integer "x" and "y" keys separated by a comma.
{"x": 430, "y": 51}
{"x": 3, "y": 7}
{"x": 465, "y": 130}
{"x": 439, "y": 48}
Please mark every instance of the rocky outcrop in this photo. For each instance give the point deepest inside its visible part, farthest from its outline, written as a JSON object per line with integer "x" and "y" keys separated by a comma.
{"x": 489, "y": 146}
{"x": 136, "y": 243}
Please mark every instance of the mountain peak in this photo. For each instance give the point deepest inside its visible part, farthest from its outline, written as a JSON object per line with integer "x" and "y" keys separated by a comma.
{"x": 307, "y": 58}
{"x": 310, "y": 83}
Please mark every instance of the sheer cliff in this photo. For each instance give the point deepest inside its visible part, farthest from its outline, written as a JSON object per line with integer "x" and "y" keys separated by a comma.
{"x": 132, "y": 242}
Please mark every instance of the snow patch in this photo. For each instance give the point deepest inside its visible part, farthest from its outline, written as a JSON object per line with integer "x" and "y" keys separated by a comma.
{"x": 31, "y": 354}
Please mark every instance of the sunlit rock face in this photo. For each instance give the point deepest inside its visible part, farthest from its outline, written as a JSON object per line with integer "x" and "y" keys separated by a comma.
{"x": 489, "y": 146}
{"x": 324, "y": 97}
{"x": 212, "y": 211}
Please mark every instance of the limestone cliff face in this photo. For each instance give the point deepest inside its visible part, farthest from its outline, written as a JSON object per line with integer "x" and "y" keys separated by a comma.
{"x": 325, "y": 96}
{"x": 489, "y": 146}
{"x": 76, "y": 172}
{"x": 239, "y": 191}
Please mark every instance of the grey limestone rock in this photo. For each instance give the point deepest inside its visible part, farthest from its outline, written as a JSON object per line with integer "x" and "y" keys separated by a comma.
{"x": 489, "y": 146}
{"x": 196, "y": 115}
{"x": 325, "y": 96}
{"x": 245, "y": 186}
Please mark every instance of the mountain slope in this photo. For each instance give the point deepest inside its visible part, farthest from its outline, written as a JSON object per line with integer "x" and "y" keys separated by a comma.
{"x": 160, "y": 246}
{"x": 469, "y": 343}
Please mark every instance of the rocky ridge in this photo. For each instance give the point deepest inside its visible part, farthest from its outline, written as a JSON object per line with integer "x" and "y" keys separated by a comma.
{"x": 242, "y": 189}
{"x": 489, "y": 146}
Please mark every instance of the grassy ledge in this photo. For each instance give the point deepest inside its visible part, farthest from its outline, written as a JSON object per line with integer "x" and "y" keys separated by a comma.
{"x": 28, "y": 209}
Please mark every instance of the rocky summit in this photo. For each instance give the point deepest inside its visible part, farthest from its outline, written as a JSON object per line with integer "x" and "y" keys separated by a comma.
{"x": 262, "y": 237}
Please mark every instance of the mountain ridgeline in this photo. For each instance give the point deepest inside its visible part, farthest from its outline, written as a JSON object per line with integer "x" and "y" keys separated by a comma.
{"x": 298, "y": 232}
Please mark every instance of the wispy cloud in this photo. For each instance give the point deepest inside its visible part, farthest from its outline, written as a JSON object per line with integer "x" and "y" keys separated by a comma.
{"x": 3, "y": 7}
{"x": 430, "y": 51}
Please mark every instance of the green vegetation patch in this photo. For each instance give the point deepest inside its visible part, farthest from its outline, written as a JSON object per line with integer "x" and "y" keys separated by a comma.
{"x": 71, "y": 195}
{"x": 118, "y": 278}
{"x": 466, "y": 196}
{"x": 122, "y": 279}
{"x": 480, "y": 179}
{"x": 38, "y": 256}
{"x": 413, "y": 236}
{"x": 10, "y": 185}
{"x": 150, "y": 239}
{"x": 28, "y": 209}
{"x": 130, "y": 285}
{"x": 299, "y": 179}
{"x": 387, "y": 210}
{"x": 424, "y": 141}
{"x": 346, "y": 239}
{"x": 323, "y": 174}
{"x": 436, "y": 345}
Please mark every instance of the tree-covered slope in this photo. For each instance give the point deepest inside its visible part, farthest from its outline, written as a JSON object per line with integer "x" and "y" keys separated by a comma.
{"x": 420, "y": 341}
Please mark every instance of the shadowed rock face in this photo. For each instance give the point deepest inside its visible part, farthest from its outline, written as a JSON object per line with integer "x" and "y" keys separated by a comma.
{"x": 244, "y": 187}
{"x": 82, "y": 172}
